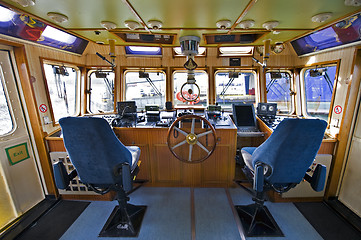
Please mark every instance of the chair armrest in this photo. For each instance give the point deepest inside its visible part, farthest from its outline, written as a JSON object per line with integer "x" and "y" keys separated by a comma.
{"x": 61, "y": 176}
{"x": 318, "y": 178}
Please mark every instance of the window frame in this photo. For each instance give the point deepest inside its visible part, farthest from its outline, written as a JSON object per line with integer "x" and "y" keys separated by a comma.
{"x": 292, "y": 86}
{"x": 124, "y": 82}
{"x": 303, "y": 90}
{"x": 78, "y": 87}
{"x": 88, "y": 93}
{"x": 175, "y": 70}
{"x": 256, "y": 81}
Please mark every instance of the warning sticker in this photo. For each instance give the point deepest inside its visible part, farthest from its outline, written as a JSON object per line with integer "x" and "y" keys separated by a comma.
{"x": 43, "y": 108}
{"x": 338, "y": 109}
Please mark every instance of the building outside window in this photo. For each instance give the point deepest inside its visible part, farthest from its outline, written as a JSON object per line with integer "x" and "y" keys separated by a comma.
{"x": 62, "y": 86}
{"x": 145, "y": 88}
{"x": 180, "y": 77}
{"x": 279, "y": 88}
{"x": 234, "y": 87}
{"x": 318, "y": 85}
{"x": 101, "y": 94}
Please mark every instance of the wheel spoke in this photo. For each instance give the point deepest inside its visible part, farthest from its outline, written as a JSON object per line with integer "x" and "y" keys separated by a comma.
{"x": 193, "y": 123}
{"x": 203, "y": 134}
{"x": 203, "y": 147}
{"x": 181, "y": 131}
{"x": 179, "y": 144}
{"x": 190, "y": 152}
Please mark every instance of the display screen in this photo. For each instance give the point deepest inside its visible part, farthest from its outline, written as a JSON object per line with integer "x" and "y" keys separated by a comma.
{"x": 243, "y": 115}
{"x": 338, "y": 34}
{"x": 16, "y": 24}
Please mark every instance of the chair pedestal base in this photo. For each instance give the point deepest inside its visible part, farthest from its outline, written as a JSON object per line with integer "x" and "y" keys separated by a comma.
{"x": 124, "y": 223}
{"x": 258, "y": 221}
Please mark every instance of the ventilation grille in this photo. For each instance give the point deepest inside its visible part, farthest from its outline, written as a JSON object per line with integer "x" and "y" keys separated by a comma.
{"x": 76, "y": 186}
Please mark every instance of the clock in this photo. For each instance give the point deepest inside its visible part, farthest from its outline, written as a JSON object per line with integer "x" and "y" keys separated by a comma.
{"x": 278, "y": 48}
{"x": 259, "y": 49}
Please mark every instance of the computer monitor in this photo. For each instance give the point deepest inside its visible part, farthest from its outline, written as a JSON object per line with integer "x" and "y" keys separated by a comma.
{"x": 126, "y": 107}
{"x": 243, "y": 115}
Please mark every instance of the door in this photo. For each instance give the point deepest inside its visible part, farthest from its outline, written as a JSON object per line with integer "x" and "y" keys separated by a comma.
{"x": 20, "y": 182}
{"x": 350, "y": 188}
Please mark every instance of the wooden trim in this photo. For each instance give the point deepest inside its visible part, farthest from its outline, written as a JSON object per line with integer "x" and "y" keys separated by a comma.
{"x": 110, "y": 196}
{"x": 243, "y": 14}
{"x": 31, "y": 105}
{"x": 135, "y": 13}
{"x": 347, "y": 119}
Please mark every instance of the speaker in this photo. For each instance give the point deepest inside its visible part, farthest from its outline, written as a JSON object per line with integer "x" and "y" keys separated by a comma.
{"x": 168, "y": 105}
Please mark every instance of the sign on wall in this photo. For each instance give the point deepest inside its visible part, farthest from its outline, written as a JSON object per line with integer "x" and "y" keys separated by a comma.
{"x": 17, "y": 153}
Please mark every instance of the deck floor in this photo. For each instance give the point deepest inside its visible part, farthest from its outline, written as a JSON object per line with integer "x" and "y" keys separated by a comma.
{"x": 187, "y": 213}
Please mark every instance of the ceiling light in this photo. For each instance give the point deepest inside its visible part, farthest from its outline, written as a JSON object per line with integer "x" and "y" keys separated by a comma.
{"x": 354, "y": 3}
{"x": 322, "y": 17}
{"x": 132, "y": 25}
{"x": 246, "y": 24}
{"x": 223, "y": 24}
{"x": 25, "y": 3}
{"x": 108, "y": 25}
{"x": 58, "y": 35}
{"x": 6, "y": 15}
{"x": 57, "y": 17}
{"x": 155, "y": 24}
{"x": 270, "y": 25}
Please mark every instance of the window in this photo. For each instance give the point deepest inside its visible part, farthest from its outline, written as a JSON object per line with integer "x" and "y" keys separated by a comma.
{"x": 145, "y": 88}
{"x": 180, "y": 77}
{"x": 235, "y": 87}
{"x": 62, "y": 87}
{"x": 101, "y": 96}
{"x": 140, "y": 50}
{"x": 178, "y": 52}
{"x": 6, "y": 122}
{"x": 279, "y": 89}
{"x": 318, "y": 85}
{"x": 236, "y": 51}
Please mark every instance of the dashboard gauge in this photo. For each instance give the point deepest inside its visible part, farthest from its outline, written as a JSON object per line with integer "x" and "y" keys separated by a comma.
{"x": 278, "y": 48}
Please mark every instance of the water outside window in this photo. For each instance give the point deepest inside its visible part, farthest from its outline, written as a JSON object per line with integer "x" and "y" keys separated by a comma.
{"x": 145, "y": 88}
{"x": 62, "y": 88}
{"x": 278, "y": 87}
{"x": 235, "y": 87}
{"x": 180, "y": 77}
{"x": 101, "y": 97}
{"x": 6, "y": 122}
{"x": 319, "y": 85}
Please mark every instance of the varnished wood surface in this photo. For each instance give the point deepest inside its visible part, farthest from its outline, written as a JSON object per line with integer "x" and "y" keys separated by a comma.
{"x": 163, "y": 169}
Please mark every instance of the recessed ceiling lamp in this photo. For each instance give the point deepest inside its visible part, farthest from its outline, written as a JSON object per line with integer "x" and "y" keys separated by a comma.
{"x": 223, "y": 24}
{"x": 270, "y": 25}
{"x": 354, "y": 3}
{"x": 57, "y": 17}
{"x": 322, "y": 17}
{"x": 132, "y": 25}
{"x": 25, "y": 3}
{"x": 246, "y": 24}
{"x": 155, "y": 24}
{"x": 108, "y": 25}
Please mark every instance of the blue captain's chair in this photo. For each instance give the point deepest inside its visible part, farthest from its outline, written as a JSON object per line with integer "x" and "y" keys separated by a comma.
{"x": 280, "y": 163}
{"x": 103, "y": 164}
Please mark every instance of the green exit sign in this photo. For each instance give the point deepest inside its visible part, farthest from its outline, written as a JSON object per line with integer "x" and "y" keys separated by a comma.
{"x": 17, "y": 153}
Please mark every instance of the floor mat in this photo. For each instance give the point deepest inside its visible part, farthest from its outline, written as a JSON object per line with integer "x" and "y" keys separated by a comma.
{"x": 328, "y": 224}
{"x": 55, "y": 222}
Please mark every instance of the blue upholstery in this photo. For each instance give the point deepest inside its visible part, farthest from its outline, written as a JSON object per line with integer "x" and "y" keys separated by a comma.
{"x": 280, "y": 163}
{"x": 95, "y": 151}
{"x": 290, "y": 150}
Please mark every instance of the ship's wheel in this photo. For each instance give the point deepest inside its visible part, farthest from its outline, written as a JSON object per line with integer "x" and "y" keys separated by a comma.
{"x": 189, "y": 143}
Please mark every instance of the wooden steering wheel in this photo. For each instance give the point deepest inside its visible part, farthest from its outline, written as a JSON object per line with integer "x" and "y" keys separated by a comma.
{"x": 186, "y": 126}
